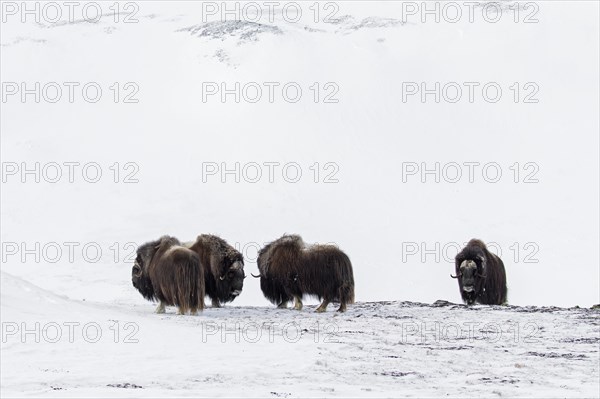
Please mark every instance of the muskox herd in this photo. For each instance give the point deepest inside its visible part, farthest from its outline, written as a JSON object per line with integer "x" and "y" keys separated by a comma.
{"x": 183, "y": 274}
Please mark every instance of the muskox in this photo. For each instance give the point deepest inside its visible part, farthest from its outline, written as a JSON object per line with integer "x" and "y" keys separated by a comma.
{"x": 166, "y": 271}
{"x": 223, "y": 268}
{"x": 481, "y": 275}
{"x": 290, "y": 269}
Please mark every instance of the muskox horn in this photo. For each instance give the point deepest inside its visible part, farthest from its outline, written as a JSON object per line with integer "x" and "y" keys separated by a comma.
{"x": 236, "y": 265}
{"x": 457, "y": 276}
{"x": 255, "y": 276}
{"x": 222, "y": 278}
{"x": 137, "y": 269}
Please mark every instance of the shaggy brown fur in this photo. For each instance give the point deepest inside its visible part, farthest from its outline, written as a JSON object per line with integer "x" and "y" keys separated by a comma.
{"x": 481, "y": 275}
{"x": 271, "y": 284}
{"x": 170, "y": 273}
{"x": 290, "y": 269}
{"x": 223, "y": 268}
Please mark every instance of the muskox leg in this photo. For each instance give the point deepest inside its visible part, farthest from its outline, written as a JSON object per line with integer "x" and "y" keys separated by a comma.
{"x": 215, "y": 303}
{"x": 346, "y": 293}
{"x": 161, "y": 307}
{"x": 283, "y": 305}
{"x": 297, "y": 303}
{"x": 194, "y": 310}
{"x": 323, "y": 307}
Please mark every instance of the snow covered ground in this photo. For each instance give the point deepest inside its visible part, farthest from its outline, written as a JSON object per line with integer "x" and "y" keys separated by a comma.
{"x": 376, "y": 349}
{"x": 154, "y": 121}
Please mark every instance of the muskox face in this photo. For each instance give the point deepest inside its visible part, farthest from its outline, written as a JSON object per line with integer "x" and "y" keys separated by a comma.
{"x": 232, "y": 281}
{"x": 136, "y": 274}
{"x": 137, "y": 271}
{"x": 472, "y": 276}
{"x": 139, "y": 279}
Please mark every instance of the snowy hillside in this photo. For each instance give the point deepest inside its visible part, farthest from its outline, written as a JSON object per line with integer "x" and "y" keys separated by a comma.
{"x": 371, "y": 125}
